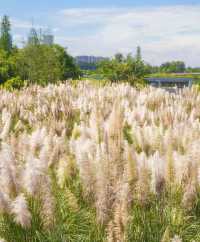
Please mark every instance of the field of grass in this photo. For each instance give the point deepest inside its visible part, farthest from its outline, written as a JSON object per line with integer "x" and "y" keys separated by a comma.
{"x": 89, "y": 163}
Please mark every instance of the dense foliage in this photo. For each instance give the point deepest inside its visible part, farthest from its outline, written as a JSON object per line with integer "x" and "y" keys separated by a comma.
{"x": 173, "y": 67}
{"x": 36, "y": 62}
{"x": 120, "y": 68}
{"x": 6, "y": 38}
{"x": 45, "y": 64}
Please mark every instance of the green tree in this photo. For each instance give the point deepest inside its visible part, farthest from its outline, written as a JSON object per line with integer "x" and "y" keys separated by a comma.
{"x": 7, "y": 65}
{"x": 119, "y": 57}
{"x": 4, "y": 66}
{"x": 138, "y": 66}
{"x": 44, "y": 64}
{"x": 116, "y": 71}
{"x": 131, "y": 69}
{"x": 68, "y": 66}
{"x": 138, "y": 56}
{"x": 39, "y": 64}
{"x": 173, "y": 67}
{"x": 6, "y": 38}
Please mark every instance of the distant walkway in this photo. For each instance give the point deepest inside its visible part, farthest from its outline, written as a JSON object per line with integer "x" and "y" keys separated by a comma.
{"x": 170, "y": 82}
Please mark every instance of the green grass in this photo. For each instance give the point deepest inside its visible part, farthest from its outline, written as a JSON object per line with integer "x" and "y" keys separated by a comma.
{"x": 147, "y": 222}
{"x": 71, "y": 225}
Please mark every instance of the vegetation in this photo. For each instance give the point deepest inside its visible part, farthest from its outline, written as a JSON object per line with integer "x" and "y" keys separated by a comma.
{"x": 129, "y": 69}
{"x": 173, "y": 67}
{"x": 14, "y": 83}
{"x": 115, "y": 165}
{"x": 35, "y": 63}
{"x": 6, "y": 38}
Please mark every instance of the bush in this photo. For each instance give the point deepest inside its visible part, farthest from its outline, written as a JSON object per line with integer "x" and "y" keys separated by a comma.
{"x": 14, "y": 83}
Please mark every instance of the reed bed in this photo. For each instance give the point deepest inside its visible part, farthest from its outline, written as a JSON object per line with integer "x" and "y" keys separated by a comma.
{"x": 111, "y": 164}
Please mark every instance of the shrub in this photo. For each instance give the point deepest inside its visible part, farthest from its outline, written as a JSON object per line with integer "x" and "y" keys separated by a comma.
{"x": 14, "y": 83}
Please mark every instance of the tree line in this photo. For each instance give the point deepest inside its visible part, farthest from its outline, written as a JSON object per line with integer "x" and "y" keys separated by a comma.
{"x": 133, "y": 69}
{"x": 34, "y": 63}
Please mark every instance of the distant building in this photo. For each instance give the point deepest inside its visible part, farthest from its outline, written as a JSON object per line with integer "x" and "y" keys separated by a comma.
{"x": 89, "y": 62}
{"x": 40, "y": 37}
{"x": 33, "y": 38}
{"x": 89, "y": 59}
{"x": 47, "y": 37}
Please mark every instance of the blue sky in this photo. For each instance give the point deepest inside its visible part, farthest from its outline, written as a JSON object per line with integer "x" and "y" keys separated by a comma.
{"x": 165, "y": 30}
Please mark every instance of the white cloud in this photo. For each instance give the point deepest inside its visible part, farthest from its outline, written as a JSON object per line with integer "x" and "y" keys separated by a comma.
{"x": 76, "y": 16}
{"x": 164, "y": 33}
{"x": 21, "y": 24}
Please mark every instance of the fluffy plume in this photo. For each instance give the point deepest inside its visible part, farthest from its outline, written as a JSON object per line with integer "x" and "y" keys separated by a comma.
{"x": 124, "y": 145}
{"x": 176, "y": 239}
{"x": 8, "y": 170}
{"x": 20, "y": 211}
{"x": 5, "y": 203}
{"x": 48, "y": 205}
{"x": 189, "y": 196}
{"x": 2, "y": 240}
{"x": 6, "y": 119}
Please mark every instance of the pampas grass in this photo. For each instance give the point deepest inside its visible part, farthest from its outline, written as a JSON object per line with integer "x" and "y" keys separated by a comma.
{"x": 20, "y": 211}
{"x": 95, "y": 164}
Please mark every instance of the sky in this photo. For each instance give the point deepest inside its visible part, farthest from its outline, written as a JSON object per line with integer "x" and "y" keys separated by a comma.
{"x": 165, "y": 29}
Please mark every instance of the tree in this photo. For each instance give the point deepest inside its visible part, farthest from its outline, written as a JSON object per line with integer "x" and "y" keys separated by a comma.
{"x": 67, "y": 62}
{"x": 138, "y": 56}
{"x": 113, "y": 70}
{"x": 119, "y": 57}
{"x": 139, "y": 68}
{"x": 45, "y": 64}
{"x": 4, "y": 66}
{"x": 6, "y": 38}
{"x": 39, "y": 64}
{"x": 7, "y": 65}
{"x": 131, "y": 69}
{"x": 173, "y": 67}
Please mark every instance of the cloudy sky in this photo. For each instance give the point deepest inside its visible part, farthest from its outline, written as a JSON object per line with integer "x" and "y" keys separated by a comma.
{"x": 165, "y": 30}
